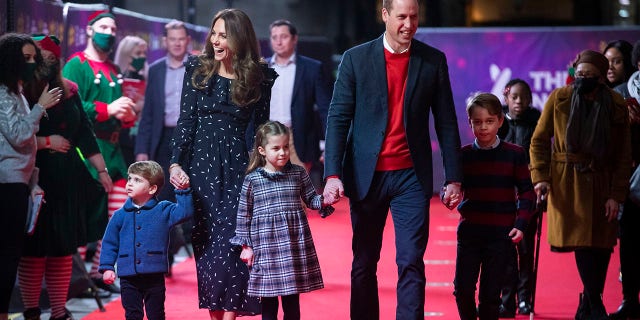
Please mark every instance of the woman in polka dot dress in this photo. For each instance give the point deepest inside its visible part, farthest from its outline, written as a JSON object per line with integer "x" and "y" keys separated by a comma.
{"x": 225, "y": 96}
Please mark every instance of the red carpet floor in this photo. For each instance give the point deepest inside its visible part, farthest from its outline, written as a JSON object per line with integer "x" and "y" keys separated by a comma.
{"x": 558, "y": 283}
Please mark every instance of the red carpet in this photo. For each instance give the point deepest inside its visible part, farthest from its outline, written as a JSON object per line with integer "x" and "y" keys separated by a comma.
{"x": 558, "y": 282}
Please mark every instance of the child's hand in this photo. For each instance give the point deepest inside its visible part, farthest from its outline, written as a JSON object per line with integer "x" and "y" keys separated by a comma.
{"x": 247, "y": 255}
{"x": 109, "y": 277}
{"x": 516, "y": 235}
{"x": 451, "y": 195}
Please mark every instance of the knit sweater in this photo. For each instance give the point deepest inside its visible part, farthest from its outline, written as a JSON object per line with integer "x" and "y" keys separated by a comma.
{"x": 490, "y": 203}
{"x": 18, "y": 127}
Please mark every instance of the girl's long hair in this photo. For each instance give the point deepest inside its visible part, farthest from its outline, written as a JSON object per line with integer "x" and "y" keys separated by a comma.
{"x": 243, "y": 44}
{"x": 269, "y": 128}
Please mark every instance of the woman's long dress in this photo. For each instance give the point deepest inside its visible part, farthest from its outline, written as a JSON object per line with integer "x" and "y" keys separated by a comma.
{"x": 210, "y": 145}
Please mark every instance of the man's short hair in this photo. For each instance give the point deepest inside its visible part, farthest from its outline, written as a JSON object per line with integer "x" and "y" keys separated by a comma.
{"x": 283, "y": 22}
{"x": 175, "y": 25}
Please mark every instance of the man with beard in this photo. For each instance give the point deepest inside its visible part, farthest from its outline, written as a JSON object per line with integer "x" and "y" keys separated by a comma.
{"x": 99, "y": 87}
{"x": 63, "y": 223}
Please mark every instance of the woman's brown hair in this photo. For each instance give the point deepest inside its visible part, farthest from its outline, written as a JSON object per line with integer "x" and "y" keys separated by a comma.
{"x": 243, "y": 43}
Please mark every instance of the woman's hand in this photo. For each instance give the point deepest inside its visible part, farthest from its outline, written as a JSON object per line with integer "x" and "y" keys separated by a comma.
{"x": 106, "y": 181}
{"x": 178, "y": 178}
{"x": 611, "y": 209}
{"x": 58, "y": 143}
{"x": 50, "y": 98}
{"x": 542, "y": 188}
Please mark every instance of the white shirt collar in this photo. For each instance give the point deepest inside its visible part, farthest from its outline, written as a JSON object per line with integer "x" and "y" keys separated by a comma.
{"x": 493, "y": 146}
{"x": 292, "y": 60}
{"x": 388, "y": 46}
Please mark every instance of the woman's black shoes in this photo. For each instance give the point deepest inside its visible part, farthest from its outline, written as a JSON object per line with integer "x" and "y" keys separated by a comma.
{"x": 626, "y": 310}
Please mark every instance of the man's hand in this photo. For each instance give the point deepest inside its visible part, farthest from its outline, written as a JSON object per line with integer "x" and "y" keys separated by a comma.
{"x": 452, "y": 195}
{"x": 542, "y": 188}
{"x": 122, "y": 109}
{"x": 333, "y": 190}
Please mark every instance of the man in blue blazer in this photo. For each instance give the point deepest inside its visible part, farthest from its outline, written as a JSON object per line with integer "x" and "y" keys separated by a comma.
{"x": 378, "y": 144}
{"x": 162, "y": 102}
{"x": 300, "y": 95}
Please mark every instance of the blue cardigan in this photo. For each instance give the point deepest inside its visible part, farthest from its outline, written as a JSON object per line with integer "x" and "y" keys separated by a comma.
{"x": 137, "y": 239}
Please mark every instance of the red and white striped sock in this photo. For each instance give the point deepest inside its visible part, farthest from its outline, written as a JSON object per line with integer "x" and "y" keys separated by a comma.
{"x": 117, "y": 198}
{"x": 58, "y": 277}
{"x": 30, "y": 273}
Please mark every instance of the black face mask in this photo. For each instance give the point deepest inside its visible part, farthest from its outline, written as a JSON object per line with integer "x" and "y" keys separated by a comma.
{"x": 585, "y": 85}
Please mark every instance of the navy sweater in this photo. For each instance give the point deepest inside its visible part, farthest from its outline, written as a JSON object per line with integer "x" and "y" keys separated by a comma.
{"x": 498, "y": 193}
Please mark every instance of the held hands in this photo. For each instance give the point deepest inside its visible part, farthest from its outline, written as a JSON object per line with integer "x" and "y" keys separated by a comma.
{"x": 109, "y": 277}
{"x": 247, "y": 255}
{"x": 516, "y": 235}
{"x": 178, "y": 177}
{"x": 50, "y": 98}
{"x": 122, "y": 109}
{"x": 452, "y": 195}
{"x": 333, "y": 190}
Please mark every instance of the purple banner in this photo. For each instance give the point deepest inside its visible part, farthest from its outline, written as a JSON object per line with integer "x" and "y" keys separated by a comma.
{"x": 485, "y": 59}
{"x": 69, "y": 22}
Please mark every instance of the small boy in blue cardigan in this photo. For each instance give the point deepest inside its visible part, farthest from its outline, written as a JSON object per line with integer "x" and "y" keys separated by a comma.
{"x": 137, "y": 239}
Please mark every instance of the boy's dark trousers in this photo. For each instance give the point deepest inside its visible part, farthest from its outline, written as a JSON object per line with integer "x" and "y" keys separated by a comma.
{"x": 146, "y": 290}
{"x": 475, "y": 253}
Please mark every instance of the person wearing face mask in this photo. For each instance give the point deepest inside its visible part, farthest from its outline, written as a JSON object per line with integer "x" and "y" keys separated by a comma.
{"x": 64, "y": 222}
{"x": 131, "y": 57}
{"x": 100, "y": 90}
{"x": 18, "y": 126}
{"x": 585, "y": 172}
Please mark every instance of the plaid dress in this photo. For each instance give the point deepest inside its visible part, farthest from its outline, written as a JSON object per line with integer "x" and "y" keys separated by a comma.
{"x": 272, "y": 221}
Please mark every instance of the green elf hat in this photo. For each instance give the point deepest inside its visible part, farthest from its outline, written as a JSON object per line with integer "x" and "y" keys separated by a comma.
{"x": 99, "y": 15}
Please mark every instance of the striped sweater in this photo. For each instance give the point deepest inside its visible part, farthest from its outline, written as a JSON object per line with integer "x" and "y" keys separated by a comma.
{"x": 498, "y": 193}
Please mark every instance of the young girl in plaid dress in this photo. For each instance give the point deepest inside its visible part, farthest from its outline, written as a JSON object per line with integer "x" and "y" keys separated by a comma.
{"x": 272, "y": 226}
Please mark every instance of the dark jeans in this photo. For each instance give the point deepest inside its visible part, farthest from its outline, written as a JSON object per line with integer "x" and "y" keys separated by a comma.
{"x": 14, "y": 199}
{"x": 629, "y": 249}
{"x": 474, "y": 254}
{"x": 401, "y": 192}
{"x": 290, "y": 307}
{"x": 146, "y": 290}
{"x": 519, "y": 270}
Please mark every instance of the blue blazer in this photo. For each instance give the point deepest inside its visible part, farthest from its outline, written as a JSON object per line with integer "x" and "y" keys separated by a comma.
{"x": 152, "y": 120}
{"x": 358, "y": 115}
{"x": 310, "y": 89}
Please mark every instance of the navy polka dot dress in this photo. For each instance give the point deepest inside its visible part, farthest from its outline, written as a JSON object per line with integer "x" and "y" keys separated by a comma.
{"x": 211, "y": 146}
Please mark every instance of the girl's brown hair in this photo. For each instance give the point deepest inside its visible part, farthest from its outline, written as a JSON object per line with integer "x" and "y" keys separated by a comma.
{"x": 246, "y": 59}
{"x": 269, "y": 128}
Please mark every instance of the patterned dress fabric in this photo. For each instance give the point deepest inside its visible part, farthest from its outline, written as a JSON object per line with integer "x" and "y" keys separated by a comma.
{"x": 272, "y": 221}
{"x": 209, "y": 143}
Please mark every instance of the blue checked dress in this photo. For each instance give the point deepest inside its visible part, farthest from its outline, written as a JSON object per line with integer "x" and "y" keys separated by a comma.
{"x": 209, "y": 143}
{"x": 272, "y": 221}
